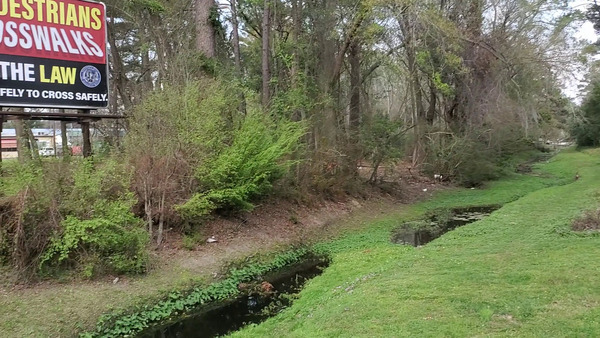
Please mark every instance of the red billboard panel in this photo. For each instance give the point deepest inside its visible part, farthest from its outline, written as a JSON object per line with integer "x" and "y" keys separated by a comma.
{"x": 53, "y": 54}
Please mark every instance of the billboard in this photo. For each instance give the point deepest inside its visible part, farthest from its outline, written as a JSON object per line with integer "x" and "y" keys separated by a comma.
{"x": 53, "y": 54}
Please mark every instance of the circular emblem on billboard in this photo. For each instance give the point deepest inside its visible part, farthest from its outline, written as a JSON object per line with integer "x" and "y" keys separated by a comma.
{"x": 90, "y": 76}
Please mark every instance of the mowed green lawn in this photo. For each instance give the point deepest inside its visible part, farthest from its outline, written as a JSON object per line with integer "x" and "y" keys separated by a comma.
{"x": 520, "y": 272}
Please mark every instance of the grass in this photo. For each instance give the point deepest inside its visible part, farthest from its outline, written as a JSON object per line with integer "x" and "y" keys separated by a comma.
{"x": 520, "y": 271}
{"x": 373, "y": 287}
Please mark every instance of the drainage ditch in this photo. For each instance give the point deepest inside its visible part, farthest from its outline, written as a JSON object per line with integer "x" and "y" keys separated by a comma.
{"x": 418, "y": 233}
{"x": 264, "y": 298}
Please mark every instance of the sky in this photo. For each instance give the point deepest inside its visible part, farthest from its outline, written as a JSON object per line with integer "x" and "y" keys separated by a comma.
{"x": 584, "y": 32}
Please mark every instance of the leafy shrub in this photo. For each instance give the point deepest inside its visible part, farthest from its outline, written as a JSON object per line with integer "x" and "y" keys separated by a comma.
{"x": 382, "y": 141}
{"x": 247, "y": 168}
{"x": 209, "y": 156}
{"x": 320, "y": 175}
{"x": 70, "y": 215}
{"x": 190, "y": 241}
{"x": 194, "y": 123}
{"x": 466, "y": 159}
{"x": 99, "y": 225}
{"x": 586, "y": 132}
{"x": 113, "y": 236}
{"x": 26, "y": 211}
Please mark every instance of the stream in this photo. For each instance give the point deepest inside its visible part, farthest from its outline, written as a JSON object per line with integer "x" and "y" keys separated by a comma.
{"x": 262, "y": 300}
{"x": 433, "y": 227}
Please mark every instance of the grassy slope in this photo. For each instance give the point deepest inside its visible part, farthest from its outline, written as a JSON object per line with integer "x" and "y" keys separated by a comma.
{"x": 65, "y": 309}
{"x": 518, "y": 272}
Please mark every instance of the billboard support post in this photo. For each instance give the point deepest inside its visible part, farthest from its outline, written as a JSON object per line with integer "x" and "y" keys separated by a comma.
{"x": 85, "y": 133}
{"x": 1, "y": 130}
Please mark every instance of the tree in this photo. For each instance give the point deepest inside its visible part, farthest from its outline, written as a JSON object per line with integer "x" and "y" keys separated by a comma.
{"x": 266, "y": 61}
{"x": 205, "y": 33}
{"x": 587, "y": 129}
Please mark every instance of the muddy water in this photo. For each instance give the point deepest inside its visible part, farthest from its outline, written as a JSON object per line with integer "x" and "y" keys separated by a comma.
{"x": 222, "y": 319}
{"x": 434, "y": 228}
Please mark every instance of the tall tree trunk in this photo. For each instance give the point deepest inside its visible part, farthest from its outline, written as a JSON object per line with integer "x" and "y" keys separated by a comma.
{"x": 161, "y": 218}
{"x": 321, "y": 13}
{"x": 148, "y": 207}
{"x": 161, "y": 37}
{"x": 407, "y": 23}
{"x": 236, "y": 51}
{"x": 146, "y": 76}
{"x": 205, "y": 32}
{"x": 296, "y": 30}
{"x": 119, "y": 77}
{"x": 350, "y": 36}
{"x": 236, "y": 37}
{"x": 354, "y": 123}
{"x": 462, "y": 108}
{"x": 475, "y": 19}
{"x": 266, "y": 62}
{"x": 354, "y": 113}
{"x": 430, "y": 117}
{"x": 417, "y": 97}
{"x": 298, "y": 113}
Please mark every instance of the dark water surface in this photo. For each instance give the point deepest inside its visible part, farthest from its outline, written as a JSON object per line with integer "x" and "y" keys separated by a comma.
{"x": 224, "y": 318}
{"x": 417, "y": 237}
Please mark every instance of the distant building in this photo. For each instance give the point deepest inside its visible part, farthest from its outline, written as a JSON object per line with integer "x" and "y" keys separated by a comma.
{"x": 8, "y": 142}
{"x": 44, "y": 137}
{"x": 49, "y": 141}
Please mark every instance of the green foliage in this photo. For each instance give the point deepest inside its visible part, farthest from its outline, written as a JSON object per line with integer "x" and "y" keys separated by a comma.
{"x": 178, "y": 303}
{"x": 27, "y": 200}
{"x": 472, "y": 160}
{"x": 293, "y": 102}
{"x": 93, "y": 184}
{"x": 190, "y": 241}
{"x": 113, "y": 235}
{"x": 16, "y": 177}
{"x": 382, "y": 139}
{"x": 194, "y": 122}
{"x": 444, "y": 88}
{"x": 72, "y": 215}
{"x": 153, "y": 6}
{"x": 509, "y": 274}
{"x": 587, "y": 131}
{"x": 247, "y": 168}
{"x": 477, "y": 166}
